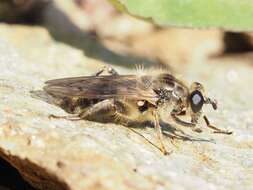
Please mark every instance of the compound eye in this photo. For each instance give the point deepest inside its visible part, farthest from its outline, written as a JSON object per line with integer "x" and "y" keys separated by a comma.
{"x": 196, "y": 100}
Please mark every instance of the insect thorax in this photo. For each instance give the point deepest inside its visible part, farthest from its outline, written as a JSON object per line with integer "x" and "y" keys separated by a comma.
{"x": 170, "y": 90}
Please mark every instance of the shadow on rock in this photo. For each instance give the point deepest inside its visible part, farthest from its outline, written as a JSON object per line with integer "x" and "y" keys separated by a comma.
{"x": 178, "y": 134}
{"x": 38, "y": 176}
{"x": 62, "y": 29}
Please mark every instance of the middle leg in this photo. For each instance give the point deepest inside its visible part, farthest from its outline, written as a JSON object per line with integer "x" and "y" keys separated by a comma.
{"x": 125, "y": 120}
{"x": 159, "y": 133}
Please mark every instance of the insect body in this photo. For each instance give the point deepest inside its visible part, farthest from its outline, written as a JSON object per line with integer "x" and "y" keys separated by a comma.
{"x": 129, "y": 98}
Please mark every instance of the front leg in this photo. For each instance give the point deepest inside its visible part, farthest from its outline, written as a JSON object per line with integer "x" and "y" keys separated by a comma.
{"x": 192, "y": 124}
{"x": 216, "y": 130}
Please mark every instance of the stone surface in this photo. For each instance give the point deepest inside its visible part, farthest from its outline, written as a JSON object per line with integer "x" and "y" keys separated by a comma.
{"x": 62, "y": 154}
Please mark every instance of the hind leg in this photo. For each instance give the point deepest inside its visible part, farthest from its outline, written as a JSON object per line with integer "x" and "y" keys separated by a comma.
{"x": 103, "y": 106}
{"x": 109, "y": 69}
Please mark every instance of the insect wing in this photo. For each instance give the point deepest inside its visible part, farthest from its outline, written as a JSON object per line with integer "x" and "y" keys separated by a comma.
{"x": 102, "y": 87}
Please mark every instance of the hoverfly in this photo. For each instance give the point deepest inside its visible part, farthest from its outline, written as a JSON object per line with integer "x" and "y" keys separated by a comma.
{"x": 131, "y": 98}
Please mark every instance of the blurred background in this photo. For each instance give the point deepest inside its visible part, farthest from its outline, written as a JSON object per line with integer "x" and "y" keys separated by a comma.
{"x": 104, "y": 33}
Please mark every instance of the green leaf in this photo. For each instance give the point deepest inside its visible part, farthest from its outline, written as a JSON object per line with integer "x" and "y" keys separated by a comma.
{"x": 235, "y": 15}
{"x": 118, "y": 5}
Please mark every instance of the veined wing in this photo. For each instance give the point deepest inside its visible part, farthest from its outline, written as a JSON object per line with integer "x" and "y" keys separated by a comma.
{"x": 102, "y": 87}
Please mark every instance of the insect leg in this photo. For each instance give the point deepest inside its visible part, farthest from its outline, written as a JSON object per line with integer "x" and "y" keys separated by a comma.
{"x": 216, "y": 130}
{"x": 125, "y": 120}
{"x": 183, "y": 112}
{"x": 109, "y": 69}
{"x": 159, "y": 133}
{"x": 193, "y": 124}
{"x": 68, "y": 117}
{"x": 104, "y": 105}
{"x": 122, "y": 119}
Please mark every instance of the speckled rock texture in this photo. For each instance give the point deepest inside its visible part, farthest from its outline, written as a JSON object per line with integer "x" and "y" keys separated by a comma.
{"x": 62, "y": 154}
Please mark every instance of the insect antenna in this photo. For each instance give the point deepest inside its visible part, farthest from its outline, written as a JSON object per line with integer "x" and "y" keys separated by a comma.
{"x": 212, "y": 102}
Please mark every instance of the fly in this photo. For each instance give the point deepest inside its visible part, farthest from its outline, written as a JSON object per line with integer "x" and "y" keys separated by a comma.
{"x": 130, "y": 98}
